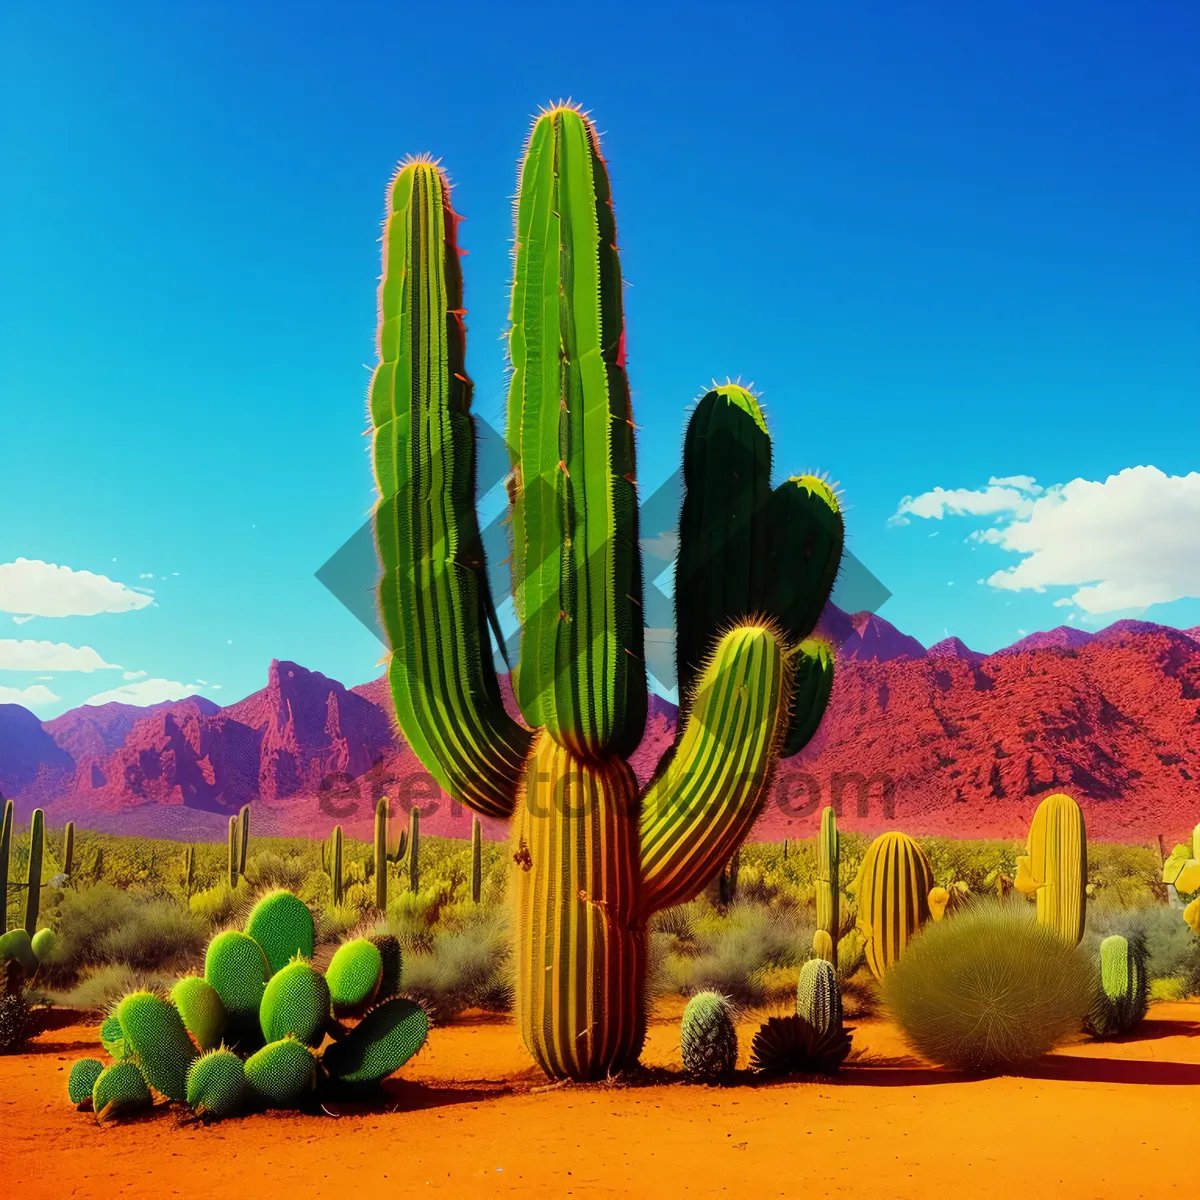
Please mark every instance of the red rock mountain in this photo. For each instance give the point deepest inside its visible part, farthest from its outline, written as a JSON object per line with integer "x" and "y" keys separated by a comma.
{"x": 944, "y": 740}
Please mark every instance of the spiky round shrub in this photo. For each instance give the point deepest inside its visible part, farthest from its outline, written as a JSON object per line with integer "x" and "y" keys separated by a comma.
{"x": 353, "y": 975}
{"x": 989, "y": 991}
{"x": 42, "y": 944}
{"x": 282, "y": 1072}
{"x": 119, "y": 1089}
{"x": 16, "y": 944}
{"x": 112, "y": 1036}
{"x": 236, "y": 966}
{"x": 82, "y": 1080}
{"x": 283, "y": 926}
{"x": 380, "y": 1044}
{"x": 818, "y": 997}
{"x": 202, "y": 1009}
{"x": 793, "y": 1045}
{"x": 156, "y": 1037}
{"x": 216, "y": 1084}
{"x": 708, "y": 1037}
{"x": 388, "y": 946}
{"x": 296, "y": 1002}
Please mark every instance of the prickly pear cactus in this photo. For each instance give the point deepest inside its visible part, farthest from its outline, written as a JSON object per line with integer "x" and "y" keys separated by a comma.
{"x": 389, "y": 953}
{"x": 202, "y": 1009}
{"x": 155, "y": 1037}
{"x": 354, "y": 975}
{"x": 120, "y": 1090}
{"x": 282, "y": 1072}
{"x": 283, "y": 926}
{"x": 82, "y": 1080}
{"x": 216, "y": 1084}
{"x": 236, "y": 966}
{"x": 380, "y": 1044}
{"x": 296, "y": 1003}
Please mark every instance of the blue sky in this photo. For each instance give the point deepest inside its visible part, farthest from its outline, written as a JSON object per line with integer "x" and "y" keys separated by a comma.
{"x": 949, "y": 244}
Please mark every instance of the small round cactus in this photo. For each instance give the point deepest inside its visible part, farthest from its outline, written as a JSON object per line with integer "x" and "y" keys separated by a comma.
{"x": 296, "y": 1002}
{"x": 16, "y": 944}
{"x": 282, "y": 925}
{"x": 42, "y": 944}
{"x": 216, "y": 1084}
{"x": 708, "y": 1037}
{"x": 119, "y": 1089}
{"x": 82, "y": 1080}
{"x": 354, "y": 975}
{"x": 380, "y": 1044}
{"x": 202, "y": 1009}
{"x": 156, "y": 1037}
{"x": 236, "y": 966}
{"x": 282, "y": 1072}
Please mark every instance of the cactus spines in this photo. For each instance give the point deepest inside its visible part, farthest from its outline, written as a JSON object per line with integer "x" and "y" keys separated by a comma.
{"x": 235, "y": 965}
{"x": 1054, "y": 867}
{"x": 120, "y": 1089}
{"x": 708, "y": 1037}
{"x": 380, "y": 1044}
{"x": 283, "y": 927}
{"x": 33, "y": 881}
{"x": 82, "y": 1080}
{"x": 893, "y": 888}
{"x": 389, "y": 954}
{"x": 202, "y": 1009}
{"x": 282, "y": 1072}
{"x": 296, "y": 1004}
{"x": 414, "y": 849}
{"x": 354, "y": 975}
{"x": 818, "y": 997}
{"x": 1122, "y": 998}
{"x": 155, "y": 1037}
{"x": 68, "y": 856}
{"x": 216, "y": 1084}
{"x": 476, "y": 859}
{"x": 591, "y": 870}
{"x": 829, "y": 880}
{"x": 6, "y": 825}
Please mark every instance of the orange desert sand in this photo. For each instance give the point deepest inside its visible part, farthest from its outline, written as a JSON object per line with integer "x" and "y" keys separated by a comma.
{"x": 471, "y": 1117}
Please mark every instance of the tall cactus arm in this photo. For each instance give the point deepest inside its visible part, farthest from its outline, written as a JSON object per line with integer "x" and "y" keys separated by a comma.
{"x": 723, "y": 526}
{"x": 710, "y": 789}
{"x": 576, "y": 565}
{"x": 433, "y": 597}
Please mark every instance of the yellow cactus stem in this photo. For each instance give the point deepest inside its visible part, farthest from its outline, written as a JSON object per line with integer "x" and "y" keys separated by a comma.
{"x": 1057, "y": 864}
{"x": 1188, "y": 879}
{"x": 893, "y": 886}
{"x": 823, "y": 946}
{"x": 1025, "y": 882}
{"x": 1191, "y": 915}
{"x": 939, "y": 897}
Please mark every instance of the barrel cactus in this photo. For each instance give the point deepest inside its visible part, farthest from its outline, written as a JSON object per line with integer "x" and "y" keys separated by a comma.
{"x": 708, "y": 1037}
{"x": 82, "y": 1080}
{"x": 893, "y": 887}
{"x": 755, "y": 569}
{"x": 818, "y": 997}
{"x": 1054, "y": 867}
{"x": 1122, "y": 997}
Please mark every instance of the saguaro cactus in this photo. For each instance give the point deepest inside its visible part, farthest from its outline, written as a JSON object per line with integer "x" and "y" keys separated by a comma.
{"x": 331, "y": 861}
{"x": 414, "y": 849}
{"x": 5, "y": 853}
{"x": 233, "y": 852}
{"x": 476, "y": 859}
{"x": 384, "y": 852}
{"x": 33, "y": 881}
{"x": 893, "y": 888}
{"x": 828, "y": 882}
{"x": 189, "y": 870}
{"x": 243, "y": 837}
{"x": 68, "y": 858}
{"x": 591, "y": 870}
{"x": 1054, "y": 867}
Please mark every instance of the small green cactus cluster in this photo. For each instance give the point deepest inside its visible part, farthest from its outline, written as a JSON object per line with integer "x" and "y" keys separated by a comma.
{"x": 1123, "y": 995}
{"x": 708, "y": 1037}
{"x": 250, "y": 1031}
{"x": 811, "y": 1041}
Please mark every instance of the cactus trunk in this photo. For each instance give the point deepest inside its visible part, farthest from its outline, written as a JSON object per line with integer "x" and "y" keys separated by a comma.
{"x": 414, "y": 849}
{"x": 381, "y": 854}
{"x": 581, "y": 944}
{"x": 233, "y": 852}
{"x": 1055, "y": 866}
{"x": 893, "y": 888}
{"x": 476, "y": 859}
{"x": 335, "y": 864}
{"x": 828, "y": 855}
{"x": 68, "y": 848}
{"x": 243, "y": 837}
{"x": 189, "y": 870}
{"x": 33, "y": 895}
{"x": 5, "y": 855}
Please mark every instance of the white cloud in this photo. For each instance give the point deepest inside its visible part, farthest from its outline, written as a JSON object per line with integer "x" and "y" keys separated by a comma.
{"x": 146, "y": 575}
{"x": 1122, "y": 543}
{"x": 146, "y": 691}
{"x": 50, "y": 656}
{"x": 1013, "y": 494}
{"x": 29, "y": 697}
{"x": 22, "y": 620}
{"x": 31, "y": 587}
{"x": 134, "y": 675}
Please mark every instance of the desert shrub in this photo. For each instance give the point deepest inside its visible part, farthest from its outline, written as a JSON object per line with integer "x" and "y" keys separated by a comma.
{"x": 100, "y": 924}
{"x": 16, "y": 1021}
{"x": 989, "y": 989}
{"x": 470, "y": 967}
{"x": 220, "y": 904}
{"x": 102, "y": 987}
{"x": 267, "y": 870}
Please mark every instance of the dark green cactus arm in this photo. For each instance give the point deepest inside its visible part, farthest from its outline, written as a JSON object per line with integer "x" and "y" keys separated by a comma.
{"x": 577, "y": 568}
{"x": 232, "y": 851}
{"x": 811, "y": 688}
{"x": 720, "y": 574}
{"x": 476, "y": 859}
{"x": 433, "y": 597}
{"x": 707, "y": 794}
{"x": 381, "y": 854}
{"x": 68, "y": 848}
{"x": 414, "y": 849}
{"x": 243, "y": 837}
{"x": 5, "y": 853}
{"x": 33, "y": 895}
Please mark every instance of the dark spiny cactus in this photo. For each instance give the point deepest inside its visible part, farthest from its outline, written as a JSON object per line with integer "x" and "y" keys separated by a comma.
{"x": 708, "y": 1037}
{"x": 98, "y": 865}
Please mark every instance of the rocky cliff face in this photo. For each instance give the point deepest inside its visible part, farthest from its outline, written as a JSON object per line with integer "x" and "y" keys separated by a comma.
{"x": 944, "y": 740}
